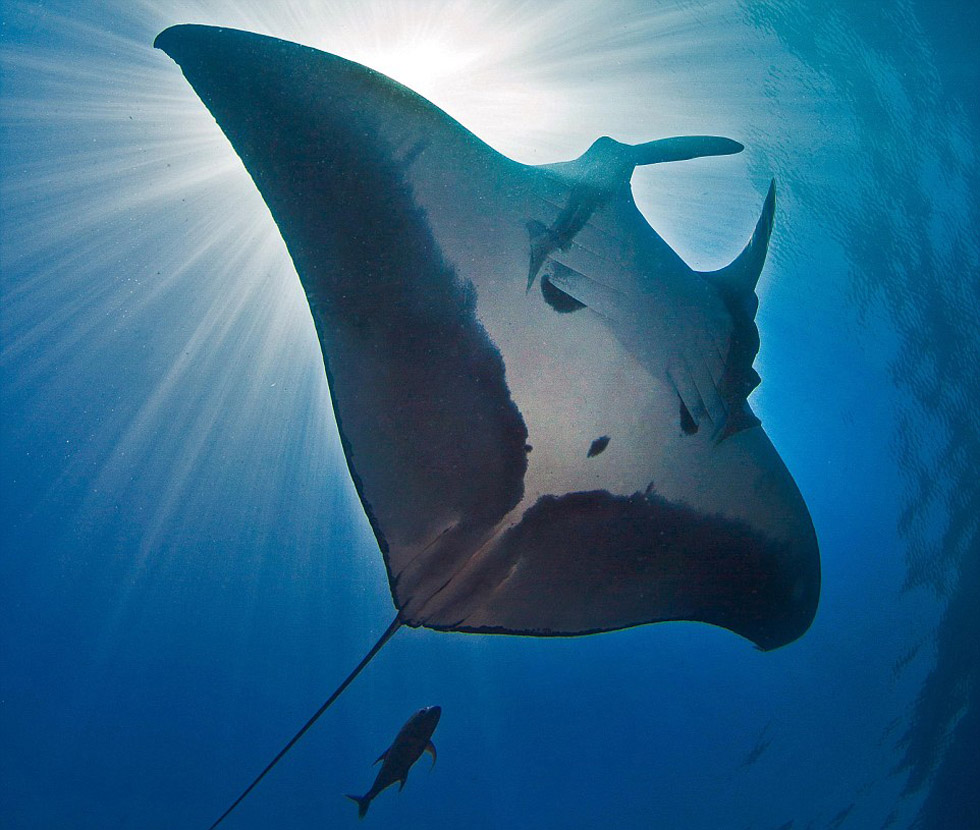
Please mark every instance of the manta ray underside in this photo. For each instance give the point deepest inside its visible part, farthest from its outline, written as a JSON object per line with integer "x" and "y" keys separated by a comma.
{"x": 542, "y": 407}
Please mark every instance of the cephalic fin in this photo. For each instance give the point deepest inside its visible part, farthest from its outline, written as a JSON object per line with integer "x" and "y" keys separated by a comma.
{"x": 431, "y": 749}
{"x": 683, "y": 147}
{"x": 741, "y": 275}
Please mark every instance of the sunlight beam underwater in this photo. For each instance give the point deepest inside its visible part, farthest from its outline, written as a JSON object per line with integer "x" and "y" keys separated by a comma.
{"x": 553, "y": 462}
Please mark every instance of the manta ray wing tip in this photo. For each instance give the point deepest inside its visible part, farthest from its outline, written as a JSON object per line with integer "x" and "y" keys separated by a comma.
{"x": 166, "y": 39}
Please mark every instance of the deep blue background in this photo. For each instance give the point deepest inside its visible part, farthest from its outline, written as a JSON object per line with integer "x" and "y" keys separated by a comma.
{"x": 185, "y": 571}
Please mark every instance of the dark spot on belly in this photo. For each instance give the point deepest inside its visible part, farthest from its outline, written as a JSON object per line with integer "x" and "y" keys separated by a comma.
{"x": 560, "y": 301}
{"x": 598, "y": 446}
{"x": 687, "y": 422}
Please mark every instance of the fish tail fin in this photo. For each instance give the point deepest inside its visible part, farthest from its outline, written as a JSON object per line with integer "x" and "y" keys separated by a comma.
{"x": 363, "y": 802}
{"x": 740, "y": 276}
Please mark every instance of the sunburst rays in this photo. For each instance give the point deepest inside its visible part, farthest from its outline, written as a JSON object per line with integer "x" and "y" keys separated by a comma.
{"x": 128, "y": 203}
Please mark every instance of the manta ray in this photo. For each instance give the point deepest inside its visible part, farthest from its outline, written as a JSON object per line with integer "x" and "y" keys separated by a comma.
{"x": 542, "y": 407}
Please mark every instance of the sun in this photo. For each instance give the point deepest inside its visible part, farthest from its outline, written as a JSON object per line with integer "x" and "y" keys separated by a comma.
{"x": 427, "y": 67}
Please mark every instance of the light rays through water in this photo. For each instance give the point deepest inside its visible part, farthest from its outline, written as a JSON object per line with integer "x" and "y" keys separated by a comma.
{"x": 166, "y": 380}
{"x": 136, "y": 205}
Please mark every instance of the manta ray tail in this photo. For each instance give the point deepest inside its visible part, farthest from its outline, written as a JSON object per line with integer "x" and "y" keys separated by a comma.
{"x": 389, "y": 633}
{"x": 741, "y": 275}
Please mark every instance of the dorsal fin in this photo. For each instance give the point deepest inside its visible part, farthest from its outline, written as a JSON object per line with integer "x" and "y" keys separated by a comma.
{"x": 740, "y": 276}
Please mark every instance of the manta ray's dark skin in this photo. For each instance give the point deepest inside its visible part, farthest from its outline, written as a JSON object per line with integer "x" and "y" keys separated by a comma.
{"x": 560, "y": 460}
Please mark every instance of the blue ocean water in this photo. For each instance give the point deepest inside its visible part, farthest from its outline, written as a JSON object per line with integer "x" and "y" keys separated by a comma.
{"x": 185, "y": 568}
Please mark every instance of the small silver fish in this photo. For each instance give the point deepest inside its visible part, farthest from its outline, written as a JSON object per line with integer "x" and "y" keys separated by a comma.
{"x": 414, "y": 738}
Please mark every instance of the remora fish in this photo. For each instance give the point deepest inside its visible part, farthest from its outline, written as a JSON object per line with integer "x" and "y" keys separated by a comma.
{"x": 414, "y": 738}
